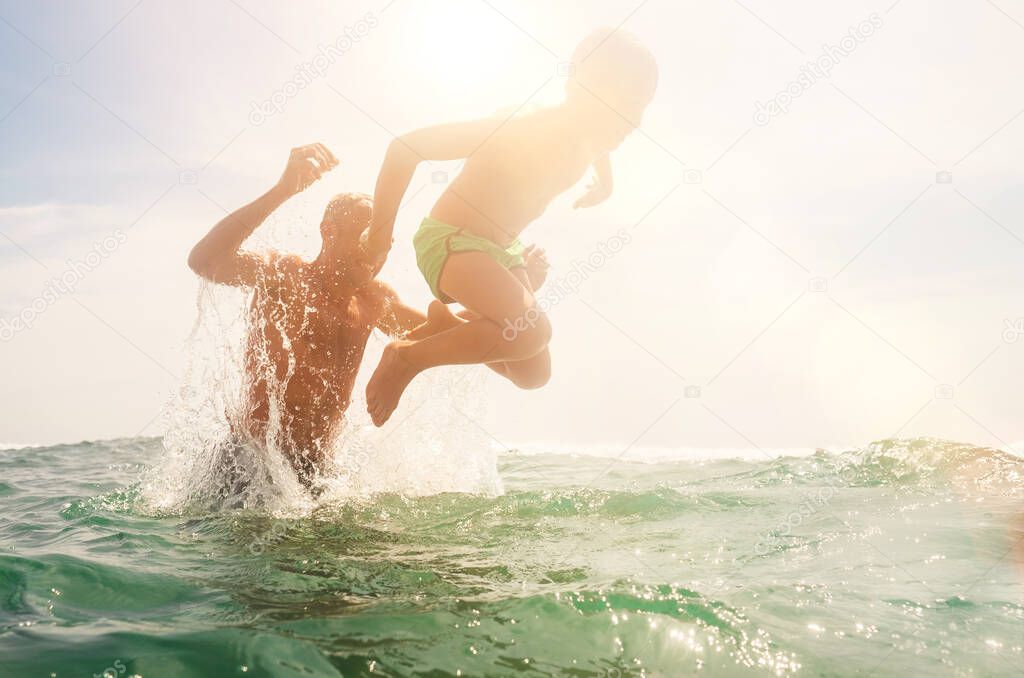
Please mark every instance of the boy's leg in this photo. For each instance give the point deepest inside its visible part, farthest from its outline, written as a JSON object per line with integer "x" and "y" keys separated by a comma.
{"x": 527, "y": 374}
{"x": 511, "y": 328}
{"x": 439, "y": 319}
{"x": 533, "y": 372}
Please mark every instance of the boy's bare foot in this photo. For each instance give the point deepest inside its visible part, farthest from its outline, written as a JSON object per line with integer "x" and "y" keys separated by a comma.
{"x": 388, "y": 383}
{"x": 439, "y": 319}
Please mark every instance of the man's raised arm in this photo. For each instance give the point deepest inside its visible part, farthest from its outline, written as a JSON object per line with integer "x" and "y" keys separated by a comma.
{"x": 218, "y": 257}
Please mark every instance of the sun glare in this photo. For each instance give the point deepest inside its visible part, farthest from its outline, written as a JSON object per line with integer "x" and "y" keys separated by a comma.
{"x": 458, "y": 51}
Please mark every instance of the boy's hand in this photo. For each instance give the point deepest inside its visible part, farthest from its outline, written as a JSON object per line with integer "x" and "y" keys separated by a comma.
{"x": 536, "y": 266}
{"x": 306, "y": 164}
{"x": 597, "y": 192}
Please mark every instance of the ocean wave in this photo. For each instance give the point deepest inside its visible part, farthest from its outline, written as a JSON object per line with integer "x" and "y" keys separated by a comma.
{"x": 583, "y": 473}
{"x": 659, "y": 455}
{"x": 4, "y": 447}
{"x": 899, "y": 551}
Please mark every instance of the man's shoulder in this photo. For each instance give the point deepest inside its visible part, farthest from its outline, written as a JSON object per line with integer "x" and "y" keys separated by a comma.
{"x": 281, "y": 261}
{"x": 285, "y": 268}
{"x": 281, "y": 273}
{"x": 380, "y": 291}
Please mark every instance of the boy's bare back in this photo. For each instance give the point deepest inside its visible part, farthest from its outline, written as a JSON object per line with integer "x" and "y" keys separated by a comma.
{"x": 511, "y": 179}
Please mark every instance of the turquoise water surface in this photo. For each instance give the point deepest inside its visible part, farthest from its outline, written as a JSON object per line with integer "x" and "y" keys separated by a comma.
{"x": 901, "y": 558}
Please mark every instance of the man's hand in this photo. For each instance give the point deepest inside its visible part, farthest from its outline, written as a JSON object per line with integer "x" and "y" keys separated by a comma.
{"x": 306, "y": 164}
{"x": 597, "y": 192}
{"x": 536, "y": 266}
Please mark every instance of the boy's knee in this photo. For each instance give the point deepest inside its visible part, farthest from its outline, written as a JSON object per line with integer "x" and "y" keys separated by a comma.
{"x": 530, "y": 382}
{"x": 542, "y": 332}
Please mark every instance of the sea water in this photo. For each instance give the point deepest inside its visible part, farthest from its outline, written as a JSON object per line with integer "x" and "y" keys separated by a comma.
{"x": 899, "y": 558}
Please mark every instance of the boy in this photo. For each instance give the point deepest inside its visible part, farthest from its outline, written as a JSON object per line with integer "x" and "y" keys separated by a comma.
{"x": 468, "y": 248}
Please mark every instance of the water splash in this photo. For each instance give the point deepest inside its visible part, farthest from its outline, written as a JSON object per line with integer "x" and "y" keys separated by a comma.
{"x": 216, "y": 457}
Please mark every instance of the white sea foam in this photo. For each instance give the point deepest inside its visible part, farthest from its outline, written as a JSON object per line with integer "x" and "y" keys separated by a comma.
{"x": 429, "y": 446}
{"x": 657, "y": 455}
{"x": 14, "y": 447}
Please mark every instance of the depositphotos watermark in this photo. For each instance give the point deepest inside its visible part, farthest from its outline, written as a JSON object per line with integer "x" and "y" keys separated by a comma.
{"x": 307, "y": 73}
{"x": 807, "y": 508}
{"x": 60, "y": 286}
{"x": 1013, "y": 330}
{"x": 276, "y": 532}
{"x": 814, "y": 71}
{"x": 569, "y": 284}
{"x": 112, "y": 671}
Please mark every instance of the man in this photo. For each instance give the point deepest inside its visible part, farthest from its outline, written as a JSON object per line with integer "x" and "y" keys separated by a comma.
{"x": 309, "y": 321}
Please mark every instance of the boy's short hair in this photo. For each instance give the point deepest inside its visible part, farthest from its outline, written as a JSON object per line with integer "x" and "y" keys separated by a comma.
{"x": 347, "y": 214}
{"x": 613, "y": 63}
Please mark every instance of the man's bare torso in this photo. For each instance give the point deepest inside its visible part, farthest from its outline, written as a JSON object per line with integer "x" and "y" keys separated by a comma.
{"x": 304, "y": 346}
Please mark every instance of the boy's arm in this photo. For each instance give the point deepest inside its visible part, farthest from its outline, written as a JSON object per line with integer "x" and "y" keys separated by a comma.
{"x": 218, "y": 257}
{"x": 600, "y": 189}
{"x": 442, "y": 142}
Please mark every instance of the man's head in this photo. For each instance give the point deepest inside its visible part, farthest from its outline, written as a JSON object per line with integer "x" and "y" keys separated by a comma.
{"x": 345, "y": 218}
{"x": 614, "y": 78}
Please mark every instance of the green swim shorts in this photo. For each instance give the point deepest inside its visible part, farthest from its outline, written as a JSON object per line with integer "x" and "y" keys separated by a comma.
{"x": 436, "y": 240}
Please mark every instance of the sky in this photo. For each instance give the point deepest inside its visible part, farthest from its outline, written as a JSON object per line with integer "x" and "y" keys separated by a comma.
{"x": 823, "y": 206}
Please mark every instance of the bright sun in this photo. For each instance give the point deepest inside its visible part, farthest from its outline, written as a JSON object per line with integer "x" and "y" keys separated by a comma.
{"x": 460, "y": 49}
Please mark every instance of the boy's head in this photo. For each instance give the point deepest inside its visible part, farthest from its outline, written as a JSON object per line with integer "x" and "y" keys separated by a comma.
{"x": 345, "y": 218}
{"x": 614, "y": 80}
